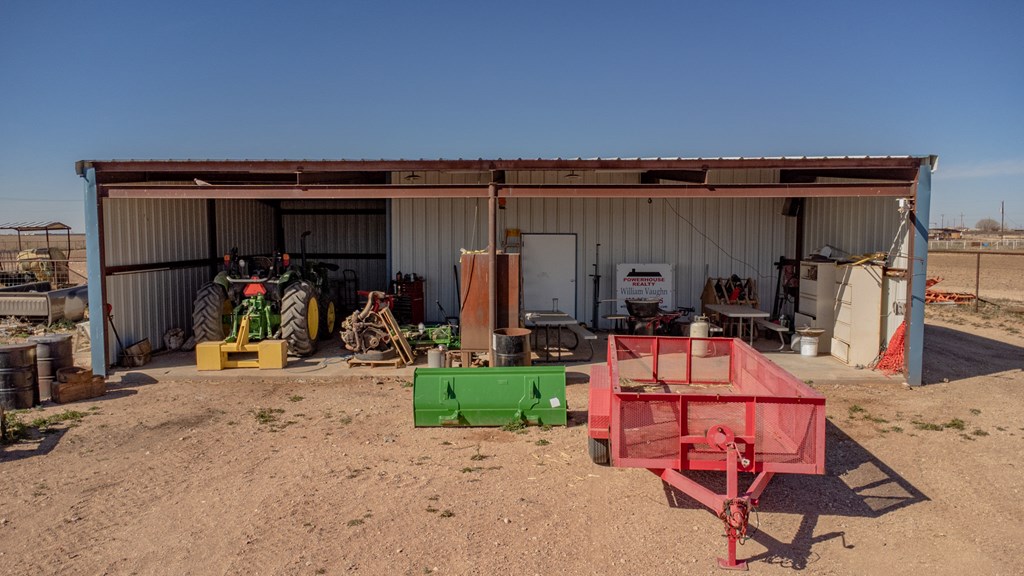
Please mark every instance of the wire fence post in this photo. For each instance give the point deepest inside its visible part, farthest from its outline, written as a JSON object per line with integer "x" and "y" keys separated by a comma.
{"x": 977, "y": 280}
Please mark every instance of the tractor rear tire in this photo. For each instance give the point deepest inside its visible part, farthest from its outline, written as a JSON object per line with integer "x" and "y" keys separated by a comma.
{"x": 300, "y": 318}
{"x": 208, "y": 311}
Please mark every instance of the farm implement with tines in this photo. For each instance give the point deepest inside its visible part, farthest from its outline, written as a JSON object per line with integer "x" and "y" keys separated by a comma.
{"x": 675, "y": 405}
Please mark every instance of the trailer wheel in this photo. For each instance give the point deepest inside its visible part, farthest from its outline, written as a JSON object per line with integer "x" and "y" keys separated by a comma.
{"x": 209, "y": 310}
{"x": 300, "y": 318}
{"x": 599, "y": 452}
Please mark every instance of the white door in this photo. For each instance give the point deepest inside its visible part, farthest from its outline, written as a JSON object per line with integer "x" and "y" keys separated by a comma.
{"x": 549, "y": 272}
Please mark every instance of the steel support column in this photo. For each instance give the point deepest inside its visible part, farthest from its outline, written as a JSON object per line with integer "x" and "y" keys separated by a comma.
{"x": 918, "y": 265}
{"x": 492, "y": 268}
{"x": 94, "y": 272}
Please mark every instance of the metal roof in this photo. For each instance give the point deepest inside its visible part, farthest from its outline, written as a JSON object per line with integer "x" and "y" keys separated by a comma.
{"x": 507, "y": 163}
{"x": 794, "y": 176}
{"x": 34, "y": 226}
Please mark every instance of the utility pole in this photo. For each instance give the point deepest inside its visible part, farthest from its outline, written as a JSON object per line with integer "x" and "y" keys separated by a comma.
{"x": 1002, "y": 216}
{"x": 943, "y": 221}
{"x": 961, "y": 219}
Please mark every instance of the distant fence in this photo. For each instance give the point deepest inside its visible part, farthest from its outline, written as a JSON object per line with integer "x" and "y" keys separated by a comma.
{"x": 988, "y": 245}
{"x": 58, "y": 273}
{"x": 1014, "y": 292}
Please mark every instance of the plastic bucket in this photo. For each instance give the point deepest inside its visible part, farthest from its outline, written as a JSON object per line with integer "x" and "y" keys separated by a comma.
{"x": 53, "y": 352}
{"x": 18, "y": 387}
{"x": 435, "y": 358}
{"x": 808, "y": 345}
{"x": 794, "y": 344}
{"x": 511, "y": 347}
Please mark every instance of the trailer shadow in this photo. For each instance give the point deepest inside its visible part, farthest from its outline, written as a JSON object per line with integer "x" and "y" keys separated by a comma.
{"x": 964, "y": 355}
{"x": 856, "y": 484}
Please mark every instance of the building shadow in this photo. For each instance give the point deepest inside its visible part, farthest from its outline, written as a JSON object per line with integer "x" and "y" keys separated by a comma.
{"x": 855, "y": 484}
{"x": 133, "y": 380}
{"x": 966, "y": 355}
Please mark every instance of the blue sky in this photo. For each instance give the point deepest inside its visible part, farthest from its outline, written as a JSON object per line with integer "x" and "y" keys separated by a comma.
{"x": 101, "y": 80}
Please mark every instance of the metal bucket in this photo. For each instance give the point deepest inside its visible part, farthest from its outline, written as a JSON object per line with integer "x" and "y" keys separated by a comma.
{"x": 435, "y": 358}
{"x": 512, "y": 347}
{"x": 18, "y": 387}
{"x": 53, "y": 352}
{"x": 489, "y": 396}
{"x": 643, "y": 307}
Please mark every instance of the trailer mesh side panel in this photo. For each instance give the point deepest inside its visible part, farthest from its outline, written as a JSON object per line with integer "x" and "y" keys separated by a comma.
{"x": 649, "y": 432}
{"x": 711, "y": 361}
{"x": 786, "y": 433}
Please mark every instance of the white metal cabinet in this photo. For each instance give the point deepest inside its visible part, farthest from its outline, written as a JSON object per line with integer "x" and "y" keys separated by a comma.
{"x": 858, "y": 329}
{"x": 817, "y": 299}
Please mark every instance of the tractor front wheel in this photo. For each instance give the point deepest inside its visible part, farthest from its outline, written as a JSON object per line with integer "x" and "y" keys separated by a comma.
{"x": 209, "y": 309}
{"x": 300, "y": 318}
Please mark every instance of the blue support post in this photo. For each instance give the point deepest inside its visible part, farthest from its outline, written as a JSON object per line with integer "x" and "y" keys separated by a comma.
{"x": 97, "y": 313}
{"x": 919, "y": 262}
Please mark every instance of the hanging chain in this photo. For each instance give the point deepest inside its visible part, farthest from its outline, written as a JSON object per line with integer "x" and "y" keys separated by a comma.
{"x": 735, "y": 515}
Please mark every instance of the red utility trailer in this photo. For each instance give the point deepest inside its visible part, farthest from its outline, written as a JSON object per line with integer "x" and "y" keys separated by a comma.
{"x": 675, "y": 404}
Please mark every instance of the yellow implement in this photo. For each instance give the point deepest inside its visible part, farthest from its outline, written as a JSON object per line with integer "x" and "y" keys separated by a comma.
{"x": 270, "y": 354}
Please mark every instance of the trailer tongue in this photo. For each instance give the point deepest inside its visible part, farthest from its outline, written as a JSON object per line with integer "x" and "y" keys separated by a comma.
{"x": 673, "y": 405}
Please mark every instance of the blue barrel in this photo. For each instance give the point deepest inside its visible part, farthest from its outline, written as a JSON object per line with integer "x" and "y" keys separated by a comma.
{"x": 18, "y": 387}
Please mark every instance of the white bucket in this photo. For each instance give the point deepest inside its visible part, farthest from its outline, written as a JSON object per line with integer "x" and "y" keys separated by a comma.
{"x": 808, "y": 345}
{"x": 435, "y": 358}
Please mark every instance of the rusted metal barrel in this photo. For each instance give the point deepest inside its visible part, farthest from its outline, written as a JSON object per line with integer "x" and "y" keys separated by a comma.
{"x": 53, "y": 352}
{"x": 18, "y": 387}
{"x": 511, "y": 347}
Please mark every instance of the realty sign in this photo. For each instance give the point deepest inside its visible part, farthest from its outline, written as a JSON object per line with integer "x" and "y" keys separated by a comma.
{"x": 645, "y": 281}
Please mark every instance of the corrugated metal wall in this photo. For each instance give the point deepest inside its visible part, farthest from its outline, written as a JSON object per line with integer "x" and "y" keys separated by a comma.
{"x": 152, "y": 231}
{"x": 147, "y": 231}
{"x": 853, "y": 225}
{"x": 148, "y": 304}
{"x": 716, "y": 237}
{"x": 141, "y": 231}
{"x": 342, "y": 233}
{"x": 246, "y": 225}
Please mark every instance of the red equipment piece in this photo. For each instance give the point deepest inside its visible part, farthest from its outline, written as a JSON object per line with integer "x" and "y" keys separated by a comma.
{"x": 677, "y": 404}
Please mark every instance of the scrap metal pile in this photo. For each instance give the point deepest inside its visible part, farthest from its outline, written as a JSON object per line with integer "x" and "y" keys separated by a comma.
{"x": 366, "y": 332}
{"x": 943, "y": 297}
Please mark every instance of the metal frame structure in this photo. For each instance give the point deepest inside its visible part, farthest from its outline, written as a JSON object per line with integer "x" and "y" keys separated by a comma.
{"x": 263, "y": 180}
{"x": 678, "y": 404}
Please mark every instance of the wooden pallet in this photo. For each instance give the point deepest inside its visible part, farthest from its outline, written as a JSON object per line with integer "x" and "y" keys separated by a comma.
{"x": 393, "y": 362}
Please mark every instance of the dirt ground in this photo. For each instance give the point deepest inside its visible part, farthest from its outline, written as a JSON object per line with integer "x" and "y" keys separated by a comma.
{"x": 300, "y": 475}
{"x": 1002, "y": 275}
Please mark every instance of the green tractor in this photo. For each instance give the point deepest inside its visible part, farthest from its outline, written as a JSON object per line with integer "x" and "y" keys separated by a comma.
{"x": 294, "y": 303}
